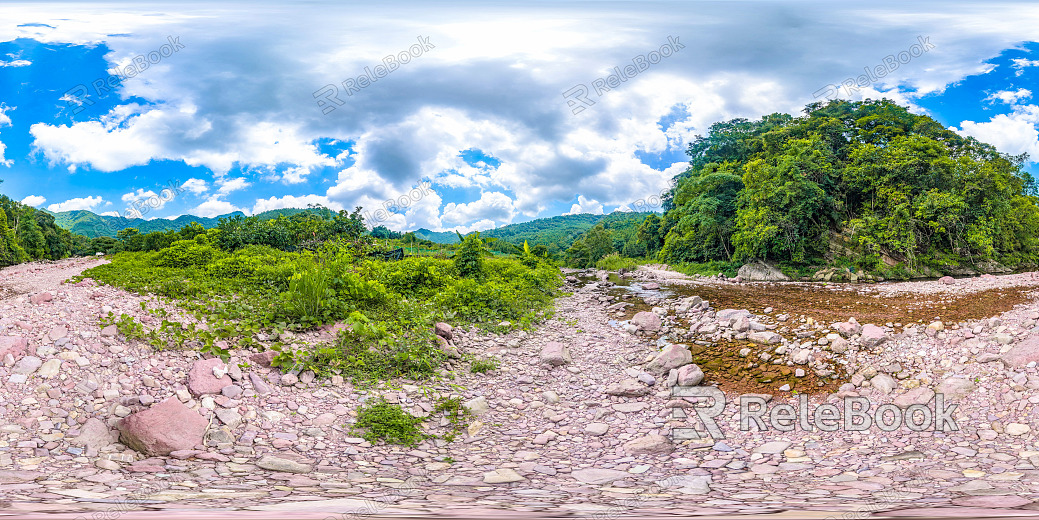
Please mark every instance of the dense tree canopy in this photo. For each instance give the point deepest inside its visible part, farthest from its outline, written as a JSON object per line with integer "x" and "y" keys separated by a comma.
{"x": 870, "y": 175}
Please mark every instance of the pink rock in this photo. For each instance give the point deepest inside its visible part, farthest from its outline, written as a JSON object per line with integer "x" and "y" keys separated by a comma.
{"x": 872, "y": 335}
{"x": 202, "y": 380}
{"x": 263, "y": 359}
{"x": 164, "y": 428}
{"x": 1024, "y": 353}
{"x": 651, "y": 286}
{"x": 848, "y": 328}
{"x": 673, "y": 356}
{"x": 13, "y": 345}
{"x": 42, "y": 297}
{"x": 947, "y": 280}
{"x": 444, "y": 331}
{"x": 555, "y": 354}
{"x": 646, "y": 321}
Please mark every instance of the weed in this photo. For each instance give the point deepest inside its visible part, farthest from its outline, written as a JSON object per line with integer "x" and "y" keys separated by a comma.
{"x": 383, "y": 421}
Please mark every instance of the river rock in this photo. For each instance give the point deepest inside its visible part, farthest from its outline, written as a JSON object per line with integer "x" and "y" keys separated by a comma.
{"x": 555, "y": 354}
{"x": 673, "y": 356}
{"x": 647, "y": 321}
{"x": 163, "y": 428}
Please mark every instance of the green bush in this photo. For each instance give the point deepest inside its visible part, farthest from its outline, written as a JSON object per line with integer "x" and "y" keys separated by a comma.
{"x": 187, "y": 253}
{"x": 382, "y": 421}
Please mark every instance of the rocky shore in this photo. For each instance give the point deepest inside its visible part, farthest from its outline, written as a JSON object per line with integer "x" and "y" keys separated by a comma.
{"x": 579, "y": 418}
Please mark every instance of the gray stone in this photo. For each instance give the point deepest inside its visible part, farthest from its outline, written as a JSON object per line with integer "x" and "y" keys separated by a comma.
{"x": 271, "y": 463}
{"x": 599, "y": 476}
{"x": 649, "y": 445}
{"x": 27, "y": 365}
{"x": 627, "y": 388}
{"x": 759, "y": 271}
{"x": 477, "y": 405}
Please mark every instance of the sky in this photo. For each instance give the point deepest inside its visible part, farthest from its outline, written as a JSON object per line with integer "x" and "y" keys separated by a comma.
{"x": 461, "y": 115}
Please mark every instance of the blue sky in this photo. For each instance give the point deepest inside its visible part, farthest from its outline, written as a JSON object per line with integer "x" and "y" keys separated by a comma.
{"x": 255, "y": 106}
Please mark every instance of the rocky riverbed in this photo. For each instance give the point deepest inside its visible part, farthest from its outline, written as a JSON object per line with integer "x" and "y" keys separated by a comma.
{"x": 580, "y": 418}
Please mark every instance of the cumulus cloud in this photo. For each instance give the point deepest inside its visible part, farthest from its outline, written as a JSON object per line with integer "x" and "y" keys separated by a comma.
{"x": 290, "y": 201}
{"x": 491, "y": 206}
{"x": 5, "y": 120}
{"x": 15, "y": 63}
{"x": 214, "y": 207}
{"x": 1013, "y": 133}
{"x": 33, "y": 200}
{"x": 487, "y": 86}
{"x": 196, "y": 186}
{"x": 1009, "y": 97}
{"x": 585, "y": 205}
{"x": 82, "y": 203}
{"x": 231, "y": 185}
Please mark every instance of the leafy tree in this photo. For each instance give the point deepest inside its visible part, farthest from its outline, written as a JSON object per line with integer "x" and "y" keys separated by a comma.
{"x": 599, "y": 242}
{"x": 30, "y": 236}
{"x": 468, "y": 260}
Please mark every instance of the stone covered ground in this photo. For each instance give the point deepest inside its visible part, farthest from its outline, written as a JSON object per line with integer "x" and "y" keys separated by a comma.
{"x": 578, "y": 420}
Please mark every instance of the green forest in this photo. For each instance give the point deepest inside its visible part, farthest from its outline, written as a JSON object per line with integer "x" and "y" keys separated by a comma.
{"x": 861, "y": 184}
{"x": 28, "y": 234}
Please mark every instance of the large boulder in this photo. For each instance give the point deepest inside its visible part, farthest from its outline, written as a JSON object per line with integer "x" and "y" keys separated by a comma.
{"x": 759, "y": 271}
{"x": 732, "y": 314}
{"x": 918, "y": 395}
{"x": 166, "y": 427}
{"x": 673, "y": 356}
{"x": 1024, "y": 353}
{"x": 555, "y": 354}
{"x": 848, "y": 328}
{"x": 872, "y": 335}
{"x": 208, "y": 376}
{"x": 13, "y": 345}
{"x": 648, "y": 321}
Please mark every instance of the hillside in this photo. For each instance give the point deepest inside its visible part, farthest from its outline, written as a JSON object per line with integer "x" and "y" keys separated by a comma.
{"x": 865, "y": 184}
{"x": 28, "y": 234}
{"x": 555, "y": 233}
{"x": 93, "y": 225}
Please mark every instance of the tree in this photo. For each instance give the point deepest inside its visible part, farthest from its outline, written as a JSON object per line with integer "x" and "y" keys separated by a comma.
{"x": 10, "y": 252}
{"x": 29, "y": 235}
{"x": 599, "y": 242}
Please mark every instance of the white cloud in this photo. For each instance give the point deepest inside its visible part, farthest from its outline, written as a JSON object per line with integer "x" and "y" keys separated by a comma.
{"x": 214, "y": 207}
{"x": 33, "y": 200}
{"x": 5, "y": 120}
{"x": 196, "y": 186}
{"x": 1009, "y": 97}
{"x": 491, "y": 206}
{"x": 15, "y": 63}
{"x": 230, "y": 185}
{"x": 1021, "y": 63}
{"x": 1013, "y": 133}
{"x": 585, "y": 206}
{"x": 82, "y": 203}
{"x": 109, "y": 214}
{"x": 290, "y": 201}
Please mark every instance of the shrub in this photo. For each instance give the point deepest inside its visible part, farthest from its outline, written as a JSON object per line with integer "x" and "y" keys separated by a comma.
{"x": 187, "y": 253}
{"x": 382, "y": 421}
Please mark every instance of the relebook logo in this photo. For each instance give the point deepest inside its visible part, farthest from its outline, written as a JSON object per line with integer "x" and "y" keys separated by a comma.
{"x": 856, "y": 414}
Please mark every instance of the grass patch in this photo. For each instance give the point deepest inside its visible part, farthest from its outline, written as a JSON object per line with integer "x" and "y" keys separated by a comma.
{"x": 389, "y": 423}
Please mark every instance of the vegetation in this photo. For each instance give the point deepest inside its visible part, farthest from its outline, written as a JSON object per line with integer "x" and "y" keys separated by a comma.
{"x": 867, "y": 184}
{"x": 250, "y": 277}
{"x": 383, "y": 421}
{"x": 28, "y": 234}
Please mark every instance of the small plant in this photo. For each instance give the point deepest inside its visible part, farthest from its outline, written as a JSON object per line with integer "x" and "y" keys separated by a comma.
{"x": 456, "y": 414}
{"x": 383, "y": 421}
{"x": 484, "y": 365}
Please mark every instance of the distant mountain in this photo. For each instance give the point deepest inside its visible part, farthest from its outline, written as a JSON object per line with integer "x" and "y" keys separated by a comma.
{"x": 92, "y": 225}
{"x": 440, "y": 237}
{"x": 555, "y": 233}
